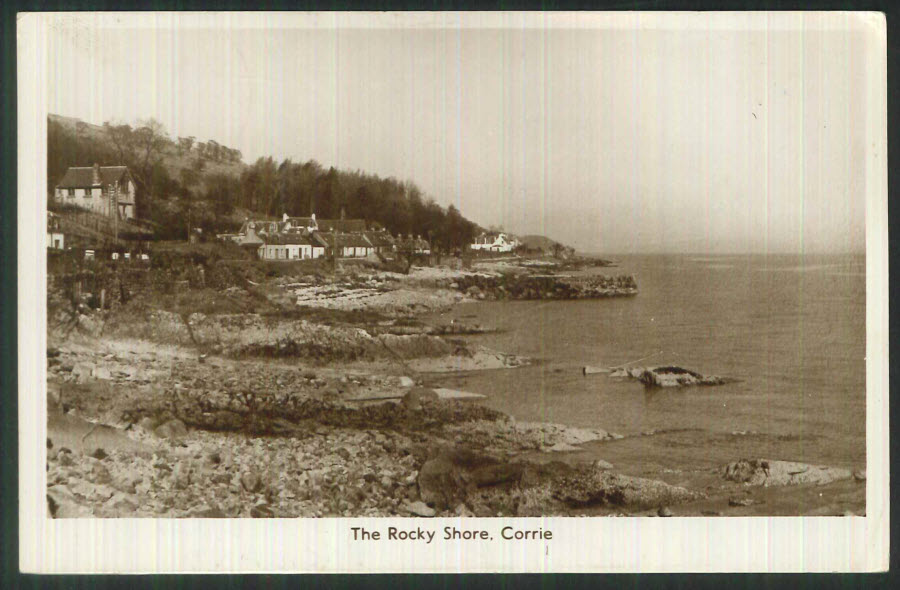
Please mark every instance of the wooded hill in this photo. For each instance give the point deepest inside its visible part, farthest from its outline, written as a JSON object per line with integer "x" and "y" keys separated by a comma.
{"x": 542, "y": 244}
{"x": 184, "y": 183}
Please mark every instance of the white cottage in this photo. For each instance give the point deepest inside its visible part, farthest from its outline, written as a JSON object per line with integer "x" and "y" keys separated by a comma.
{"x": 494, "y": 242}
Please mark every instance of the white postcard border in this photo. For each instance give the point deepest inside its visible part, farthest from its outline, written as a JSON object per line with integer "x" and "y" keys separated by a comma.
{"x": 736, "y": 544}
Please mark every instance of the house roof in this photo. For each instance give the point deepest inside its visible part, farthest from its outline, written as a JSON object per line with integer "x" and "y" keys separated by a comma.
{"x": 293, "y": 239}
{"x": 299, "y": 222}
{"x": 83, "y": 177}
{"x": 260, "y": 226}
{"x": 344, "y": 240}
{"x": 379, "y": 238}
{"x": 342, "y": 225}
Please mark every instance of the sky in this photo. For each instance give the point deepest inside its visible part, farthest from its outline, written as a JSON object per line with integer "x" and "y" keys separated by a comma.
{"x": 693, "y": 135}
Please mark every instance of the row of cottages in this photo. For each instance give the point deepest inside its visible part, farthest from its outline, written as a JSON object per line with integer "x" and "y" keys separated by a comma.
{"x": 300, "y": 238}
{"x": 101, "y": 189}
{"x": 495, "y": 242}
{"x": 291, "y": 247}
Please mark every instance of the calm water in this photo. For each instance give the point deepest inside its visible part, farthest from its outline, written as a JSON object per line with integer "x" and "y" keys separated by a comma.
{"x": 792, "y": 329}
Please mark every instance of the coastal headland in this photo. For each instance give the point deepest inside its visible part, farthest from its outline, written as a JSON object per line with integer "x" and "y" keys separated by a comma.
{"x": 201, "y": 384}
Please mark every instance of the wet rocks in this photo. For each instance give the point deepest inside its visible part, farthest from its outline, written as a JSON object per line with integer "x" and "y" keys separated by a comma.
{"x": 756, "y": 472}
{"x": 533, "y": 286}
{"x": 669, "y": 376}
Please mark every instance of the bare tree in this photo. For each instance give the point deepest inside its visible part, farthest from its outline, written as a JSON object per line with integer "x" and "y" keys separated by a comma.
{"x": 141, "y": 149}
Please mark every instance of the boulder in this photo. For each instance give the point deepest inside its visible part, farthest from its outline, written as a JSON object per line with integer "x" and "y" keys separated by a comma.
{"x": 415, "y": 397}
{"x": 173, "y": 429}
{"x": 672, "y": 376}
{"x": 99, "y": 474}
{"x": 593, "y": 487}
{"x": 756, "y": 472}
{"x": 122, "y": 505}
{"x": 61, "y": 503}
{"x": 406, "y": 381}
{"x": 206, "y": 512}
{"x": 147, "y": 424}
{"x": 262, "y": 510}
{"x": 463, "y": 510}
{"x": 419, "y": 509}
{"x": 251, "y": 482}
{"x": 448, "y": 476}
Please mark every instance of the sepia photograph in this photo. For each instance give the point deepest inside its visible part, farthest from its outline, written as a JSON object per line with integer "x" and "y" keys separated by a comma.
{"x": 459, "y": 267}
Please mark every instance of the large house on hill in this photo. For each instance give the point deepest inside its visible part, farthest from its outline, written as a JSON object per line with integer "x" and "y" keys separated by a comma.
{"x": 102, "y": 189}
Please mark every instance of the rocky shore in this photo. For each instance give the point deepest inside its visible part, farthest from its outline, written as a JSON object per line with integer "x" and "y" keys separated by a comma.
{"x": 260, "y": 399}
{"x": 529, "y": 286}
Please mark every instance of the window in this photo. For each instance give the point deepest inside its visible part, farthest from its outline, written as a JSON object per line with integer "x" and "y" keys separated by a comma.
{"x": 71, "y": 192}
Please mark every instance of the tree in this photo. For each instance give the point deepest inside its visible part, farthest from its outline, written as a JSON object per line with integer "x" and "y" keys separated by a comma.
{"x": 185, "y": 144}
{"x": 141, "y": 149}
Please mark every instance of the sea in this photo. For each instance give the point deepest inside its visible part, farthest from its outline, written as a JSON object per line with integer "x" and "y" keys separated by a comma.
{"x": 790, "y": 329}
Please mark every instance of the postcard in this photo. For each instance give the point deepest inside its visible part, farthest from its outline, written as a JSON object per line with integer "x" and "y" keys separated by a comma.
{"x": 453, "y": 292}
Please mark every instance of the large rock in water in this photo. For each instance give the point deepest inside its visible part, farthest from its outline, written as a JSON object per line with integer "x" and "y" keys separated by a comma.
{"x": 672, "y": 376}
{"x": 760, "y": 472}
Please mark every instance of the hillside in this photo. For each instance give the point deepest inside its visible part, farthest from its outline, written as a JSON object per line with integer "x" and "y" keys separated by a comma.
{"x": 543, "y": 243}
{"x": 174, "y": 159}
{"x": 184, "y": 183}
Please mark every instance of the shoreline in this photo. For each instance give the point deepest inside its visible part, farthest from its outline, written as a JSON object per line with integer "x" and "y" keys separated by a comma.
{"x": 205, "y": 381}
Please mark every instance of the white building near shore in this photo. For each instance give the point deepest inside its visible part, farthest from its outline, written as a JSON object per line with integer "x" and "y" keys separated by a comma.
{"x": 495, "y": 242}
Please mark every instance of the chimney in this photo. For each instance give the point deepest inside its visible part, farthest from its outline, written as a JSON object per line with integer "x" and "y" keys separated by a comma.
{"x": 284, "y": 217}
{"x": 96, "y": 179}
{"x": 343, "y": 212}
